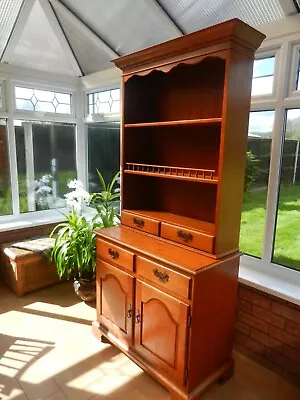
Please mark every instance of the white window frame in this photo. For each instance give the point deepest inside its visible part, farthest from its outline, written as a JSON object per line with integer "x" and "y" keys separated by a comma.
{"x": 2, "y": 86}
{"x": 9, "y": 82}
{"x": 294, "y": 66}
{"x": 105, "y": 117}
{"x": 41, "y": 115}
{"x": 271, "y": 52}
{"x": 262, "y": 272}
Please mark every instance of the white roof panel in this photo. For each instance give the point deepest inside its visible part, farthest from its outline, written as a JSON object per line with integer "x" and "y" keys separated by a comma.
{"x": 192, "y": 15}
{"x": 9, "y": 10}
{"x": 38, "y": 46}
{"x": 90, "y": 57}
{"x": 125, "y": 25}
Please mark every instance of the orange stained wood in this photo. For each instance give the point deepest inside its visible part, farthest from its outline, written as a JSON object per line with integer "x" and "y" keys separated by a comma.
{"x": 198, "y": 240}
{"x": 115, "y": 300}
{"x": 160, "y": 250}
{"x": 184, "y": 222}
{"x": 198, "y": 121}
{"x": 115, "y": 254}
{"x": 164, "y": 277}
{"x": 185, "y": 112}
{"x": 142, "y": 223}
{"x": 160, "y": 330}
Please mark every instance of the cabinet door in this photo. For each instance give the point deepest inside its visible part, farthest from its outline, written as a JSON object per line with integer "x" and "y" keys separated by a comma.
{"x": 115, "y": 301}
{"x": 161, "y": 330}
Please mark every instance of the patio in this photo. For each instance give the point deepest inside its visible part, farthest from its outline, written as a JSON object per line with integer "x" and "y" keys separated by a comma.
{"x": 48, "y": 352}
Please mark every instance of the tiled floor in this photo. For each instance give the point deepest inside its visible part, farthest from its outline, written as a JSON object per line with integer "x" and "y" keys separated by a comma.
{"x": 47, "y": 351}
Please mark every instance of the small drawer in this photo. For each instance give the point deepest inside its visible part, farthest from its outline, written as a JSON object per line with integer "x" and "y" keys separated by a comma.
{"x": 165, "y": 277}
{"x": 142, "y": 223}
{"x": 198, "y": 240}
{"x": 114, "y": 254}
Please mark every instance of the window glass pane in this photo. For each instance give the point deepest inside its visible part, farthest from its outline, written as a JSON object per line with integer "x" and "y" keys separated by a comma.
{"x": 104, "y": 108}
{"x": 43, "y": 100}
{"x": 44, "y": 106}
{"x": 63, "y": 98}
{"x": 44, "y": 95}
{"x": 105, "y": 102}
{"x": 256, "y": 182}
{"x": 263, "y": 85}
{"x": 263, "y": 75}
{"x": 45, "y": 168}
{"x": 63, "y": 109}
{"x": 263, "y": 67}
{"x": 5, "y": 187}
{"x": 287, "y": 235}
{"x": 104, "y": 152}
{"x": 24, "y": 105}
{"x": 23, "y": 93}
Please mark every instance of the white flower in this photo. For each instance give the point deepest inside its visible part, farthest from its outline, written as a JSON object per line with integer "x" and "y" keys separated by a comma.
{"x": 75, "y": 184}
{"x": 46, "y": 178}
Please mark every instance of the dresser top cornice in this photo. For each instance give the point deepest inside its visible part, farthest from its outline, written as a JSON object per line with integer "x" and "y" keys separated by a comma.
{"x": 233, "y": 30}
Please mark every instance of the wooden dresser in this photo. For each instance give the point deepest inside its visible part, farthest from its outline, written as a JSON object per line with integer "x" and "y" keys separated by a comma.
{"x": 167, "y": 277}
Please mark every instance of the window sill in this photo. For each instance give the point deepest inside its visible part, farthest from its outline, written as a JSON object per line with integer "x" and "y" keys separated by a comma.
{"x": 27, "y": 220}
{"x": 273, "y": 279}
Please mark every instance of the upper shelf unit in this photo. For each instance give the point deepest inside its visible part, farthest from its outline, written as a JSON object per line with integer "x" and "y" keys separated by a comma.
{"x": 185, "y": 93}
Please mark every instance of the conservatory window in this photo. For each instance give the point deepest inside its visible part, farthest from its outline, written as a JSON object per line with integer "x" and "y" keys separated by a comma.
{"x": 103, "y": 152}
{"x": 263, "y": 76}
{"x": 104, "y": 102}
{"x": 298, "y": 73}
{"x": 46, "y": 161}
{"x": 1, "y": 97}
{"x": 5, "y": 187}
{"x": 256, "y": 182}
{"x": 29, "y": 99}
{"x": 286, "y": 250}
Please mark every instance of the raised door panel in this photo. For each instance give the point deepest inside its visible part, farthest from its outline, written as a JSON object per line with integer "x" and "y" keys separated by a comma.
{"x": 115, "y": 301}
{"x": 161, "y": 330}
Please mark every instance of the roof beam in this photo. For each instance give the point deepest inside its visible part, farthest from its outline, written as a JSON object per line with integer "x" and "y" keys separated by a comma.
{"x": 165, "y": 17}
{"x": 297, "y": 5}
{"x": 60, "y": 36}
{"x": 288, "y": 7}
{"x": 84, "y": 29}
{"x": 17, "y": 30}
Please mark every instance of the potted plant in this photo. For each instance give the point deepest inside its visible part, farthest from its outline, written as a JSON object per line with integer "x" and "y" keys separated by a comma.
{"x": 74, "y": 251}
{"x": 74, "y": 254}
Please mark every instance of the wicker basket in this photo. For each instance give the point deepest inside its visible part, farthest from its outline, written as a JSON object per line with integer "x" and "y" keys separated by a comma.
{"x": 25, "y": 271}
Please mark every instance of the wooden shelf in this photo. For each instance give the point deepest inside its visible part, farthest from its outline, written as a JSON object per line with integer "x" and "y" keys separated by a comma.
{"x": 202, "y": 121}
{"x": 185, "y": 222}
{"x": 162, "y": 171}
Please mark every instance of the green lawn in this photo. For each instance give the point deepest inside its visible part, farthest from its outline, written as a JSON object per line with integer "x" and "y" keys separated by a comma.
{"x": 287, "y": 239}
{"x": 5, "y": 197}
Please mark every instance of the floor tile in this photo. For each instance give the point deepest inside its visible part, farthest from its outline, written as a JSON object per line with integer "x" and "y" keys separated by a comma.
{"x": 48, "y": 352}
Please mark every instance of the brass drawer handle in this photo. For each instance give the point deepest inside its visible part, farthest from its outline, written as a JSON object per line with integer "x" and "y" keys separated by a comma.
{"x": 114, "y": 254}
{"x": 186, "y": 237}
{"x": 129, "y": 312}
{"x": 138, "y": 317}
{"x": 138, "y": 222}
{"x": 162, "y": 276}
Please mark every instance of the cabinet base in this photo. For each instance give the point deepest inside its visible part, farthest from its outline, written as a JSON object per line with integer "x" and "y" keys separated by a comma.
{"x": 105, "y": 340}
{"x": 221, "y": 375}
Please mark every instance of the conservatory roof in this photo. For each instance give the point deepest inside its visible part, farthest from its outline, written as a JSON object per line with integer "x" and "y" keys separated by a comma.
{"x": 79, "y": 37}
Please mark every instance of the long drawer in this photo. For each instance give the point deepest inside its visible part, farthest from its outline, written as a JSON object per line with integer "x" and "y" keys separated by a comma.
{"x": 198, "y": 240}
{"x": 142, "y": 223}
{"x": 115, "y": 254}
{"x": 163, "y": 276}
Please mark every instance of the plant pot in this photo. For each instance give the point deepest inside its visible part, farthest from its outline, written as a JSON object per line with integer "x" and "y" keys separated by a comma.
{"x": 85, "y": 288}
